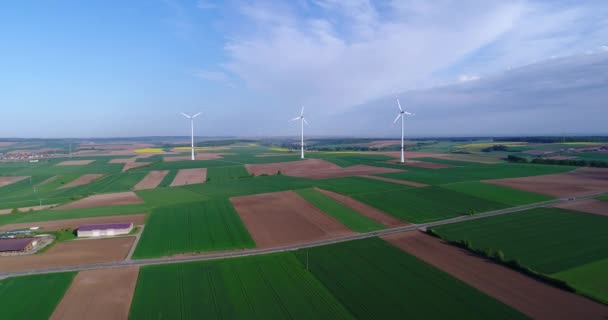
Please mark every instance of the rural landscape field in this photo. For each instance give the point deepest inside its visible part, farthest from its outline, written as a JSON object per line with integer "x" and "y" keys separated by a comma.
{"x": 309, "y": 159}
{"x": 254, "y": 231}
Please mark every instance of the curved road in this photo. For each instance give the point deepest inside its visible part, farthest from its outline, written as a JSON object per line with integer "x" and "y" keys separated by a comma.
{"x": 252, "y": 252}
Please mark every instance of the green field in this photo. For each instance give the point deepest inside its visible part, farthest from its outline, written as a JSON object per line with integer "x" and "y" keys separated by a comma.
{"x": 375, "y": 280}
{"x": 254, "y": 185}
{"x": 492, "y": 192}
{"x": 262, "y": 287}
{"x": 476, "y": 173}
{"x": 547, "y": 240}
{"x": 226, "y": 173}
{"x": 32, "y": 297}
{"x": 419, "y": 205}
{"x": 192, "y": 227}
{"x": 590, "y": 279}
{"x": 168, "y": 196}
{"x": 340, "y": 212}
{"x": 359, "y": 185}
{"x": 168, "y": 179}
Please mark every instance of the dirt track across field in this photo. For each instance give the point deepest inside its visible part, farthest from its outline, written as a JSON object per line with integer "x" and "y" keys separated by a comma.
{"x": 71, "y": 253}
{"x": 590, "y": 206}
{"x": 370, "y": 212}
{"x": 422, "y": 164}
{"x": 6, "y": 180}
{"x": 151, "y": 180}
{"x": 404, "y": 182}
{"x": 99, "y": 294}
{"x": 315, "y": 169}
{"x": 53, "y": 225}
{"x": 189, "y": 176}
{"x": 40, "y": 184}
{"x": 284, "y": 218}
{"x": 531, "y": 297}
{"x": 583, "y": 181}
{"x": 74, "y": 162}
{"x": 82, "y": 180}
{"x": 100, "y": 200}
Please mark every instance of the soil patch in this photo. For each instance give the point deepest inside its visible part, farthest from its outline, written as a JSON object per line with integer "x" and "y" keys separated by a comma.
{"x": 151, "y": 180}
{"x": 27, "y": 209}
{"x": 108, "y": 199}
{"x": 82, "y": 180}
{"x": 590, "y": 206}
{"x": 531, "y": 297}
{"x": 198, "y": 156}
{"x": 368, "y": 211}
{"x": 137, "y": 219}
{"x": 583, "y": 181}
{"x": 561, "y": 157}
{"x": 422, "y": 164}
{"x": 71, "y": 253}
{"x": 99, "y": 294}
{"x": 189, "y": 176}
{"x": 74, "y": 162}
{"x": 6, "y": 144}
{"x": 284, "y": 218}
{"x": 315, "y": 169}
{"x": 6, "y": 180}
{"x": 404, "y": 182}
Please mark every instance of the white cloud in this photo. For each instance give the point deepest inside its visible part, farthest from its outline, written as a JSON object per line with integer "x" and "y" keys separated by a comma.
{"x": 604, "y": 48}
{"x": 468, "y": 77}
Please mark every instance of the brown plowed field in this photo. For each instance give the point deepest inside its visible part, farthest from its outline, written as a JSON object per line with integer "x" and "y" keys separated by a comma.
{"x": 404, "y": 182}
{"x": 315, "y": 169}
{"x": 82, "y": 180}
{"x": 426, "y": 165}
{"x": 284, "y": 218}
{"x": 590, "y": 206}
{"x": 151, "y": 180}
{"x": 99, "y": 294}
{"x": 6, "y": 143}
{"x": 533, "y": 298}
{"x": 53, "y": 225}
{"x": 445, "y": 156}
{"x": 583, "y": 181}
{"x": 71, "y": 253}
{"x": 370, "y": 212}
{"x": 6, "y": 180}
{"x": 74, "y": 162}
{"x": 133, "y": 165}
{"x": 189, "y": 176}
{"x": 100, "y": 200}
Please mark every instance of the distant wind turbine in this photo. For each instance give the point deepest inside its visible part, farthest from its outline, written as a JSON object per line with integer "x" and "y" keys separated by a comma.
{"x": 303, "y": 121}
{"x": 192, "y": 129}
{"x": 401, "y": 115}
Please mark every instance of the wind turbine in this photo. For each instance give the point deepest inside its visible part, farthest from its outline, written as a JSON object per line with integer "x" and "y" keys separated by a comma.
{"x": 401, "y": 115}
{"x": 303, "y": 121}
{"x": 192, "y": 128}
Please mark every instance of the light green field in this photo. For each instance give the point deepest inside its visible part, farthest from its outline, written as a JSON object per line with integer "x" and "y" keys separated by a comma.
{"x": 192, "y": 227}
{"x": 492, "y": 192}
{"x": 590, "y": 279}
{"x": 32, "y": 297}
{"x": 340, "y": 212}
{"x": 262, "y": 287}
{"x": 547, "y": 240}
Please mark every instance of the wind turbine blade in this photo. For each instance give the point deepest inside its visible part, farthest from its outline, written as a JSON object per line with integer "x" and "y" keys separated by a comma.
{"x": 305, "y": 121}
{"x": 399, "y": 105}
{"x": 185, "y": 115}
{"x": 409, "y": 113}
{"x": 302, "y": 112}
{"x": 196, "y": 115}
{"x": 399, "y": 115}
{"x": 294, "y": 119}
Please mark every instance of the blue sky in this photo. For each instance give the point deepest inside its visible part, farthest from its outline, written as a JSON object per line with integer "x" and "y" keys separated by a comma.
{"x": 127, "y": 68}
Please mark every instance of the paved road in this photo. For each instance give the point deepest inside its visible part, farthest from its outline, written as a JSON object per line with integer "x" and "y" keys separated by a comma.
{"x": 137, "y": 237}
{"x": 253, "y": 252}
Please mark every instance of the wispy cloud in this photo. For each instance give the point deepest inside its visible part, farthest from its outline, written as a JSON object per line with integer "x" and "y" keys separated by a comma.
{"x": 206, "y": 4}
{"x": 214, "y": 76}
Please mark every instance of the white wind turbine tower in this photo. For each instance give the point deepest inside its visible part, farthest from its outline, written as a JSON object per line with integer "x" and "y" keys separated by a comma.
{"x": 401, "y": 115}
{"x": 191, "y": 129}
{"x": 303, "y": 121}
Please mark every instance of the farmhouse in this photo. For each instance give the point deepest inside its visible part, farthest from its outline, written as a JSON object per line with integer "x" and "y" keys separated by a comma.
{"x": 99, "y": 230}
{"x": 17, "y": 244}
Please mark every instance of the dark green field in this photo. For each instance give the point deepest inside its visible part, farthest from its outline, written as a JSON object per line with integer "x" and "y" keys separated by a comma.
{"x": 340, "y": 212}
{"x": 263, "y": 287}
{"x": 547, "y": 240}
{"x": 32, "y": 297}
{"x": 226, "y": 173}
{"x": 192, "y": 227}
{"x": 375, "y": 280}
{"x": 492, "y": 192}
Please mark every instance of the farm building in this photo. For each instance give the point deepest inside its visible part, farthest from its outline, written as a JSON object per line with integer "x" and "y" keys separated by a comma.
{"x": 17, "y": 244}
{"x": 100, "y": 230}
